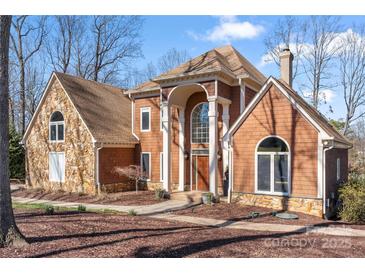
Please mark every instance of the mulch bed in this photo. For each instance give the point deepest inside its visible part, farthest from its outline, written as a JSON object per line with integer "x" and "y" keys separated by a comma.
{"x": 237, "y": 212}
{"x": 119, "y": 198}
{"x": 74, "y": 234}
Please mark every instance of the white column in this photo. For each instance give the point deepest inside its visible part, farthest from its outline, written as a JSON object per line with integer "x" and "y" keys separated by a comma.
{"x": 213, "y": 146}
{"x": 181, "y": 149}
{"x": 225, "y": 120}
{"x": 166, "y": 128}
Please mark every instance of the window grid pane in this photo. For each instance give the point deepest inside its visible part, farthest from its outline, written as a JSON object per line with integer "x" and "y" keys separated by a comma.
{"x": 200, "y": 124}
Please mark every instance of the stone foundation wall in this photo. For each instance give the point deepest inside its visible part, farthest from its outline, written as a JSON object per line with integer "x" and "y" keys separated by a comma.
{"x": 129, "y": 186}
{"x": 77, "y": 146}
{"x": 311, "y": 206}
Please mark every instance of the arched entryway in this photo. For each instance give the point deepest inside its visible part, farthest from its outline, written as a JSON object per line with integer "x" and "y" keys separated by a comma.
{"x": 198, "y": 137}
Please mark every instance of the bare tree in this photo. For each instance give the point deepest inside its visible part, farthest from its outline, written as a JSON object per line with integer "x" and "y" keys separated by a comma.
{"x": 9, "y": 233}
{"x": 60, "y": 46}
{"x": 352, "y": 75}
{"x": 288, "y": 32}
{"x": 115, "y": 42}
{"x": 172, "y": 59}
{"x": 35, "y": 82}
{"x": 132, "y": 172}
{"x": 27, "y": 38}
{"x": 320, "y": 53}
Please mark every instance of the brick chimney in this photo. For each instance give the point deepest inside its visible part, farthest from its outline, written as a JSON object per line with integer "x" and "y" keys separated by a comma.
{"x": 286, "y": 66}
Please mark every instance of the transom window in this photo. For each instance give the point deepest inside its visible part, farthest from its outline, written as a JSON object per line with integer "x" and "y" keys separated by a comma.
{"x": 272, "y": 166}
{"x": 57, "y": 127}
{"x": 200, "y": 124}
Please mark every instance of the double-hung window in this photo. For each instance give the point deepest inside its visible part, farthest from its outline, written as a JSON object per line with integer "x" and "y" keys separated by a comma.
{"x": 146, "y": 165}
{"x": 57, "y": 127}
{"x": 145, "y": 119}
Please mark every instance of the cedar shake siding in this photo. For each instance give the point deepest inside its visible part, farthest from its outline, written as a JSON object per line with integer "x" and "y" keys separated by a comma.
{"x": 274, "y": 115}
{"x": 109, "y": 159}
{"x": 150, "y": 141}
{"x": 332, "y": 182}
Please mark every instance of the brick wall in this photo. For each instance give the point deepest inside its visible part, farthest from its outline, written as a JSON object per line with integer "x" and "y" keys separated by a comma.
{"x": 109, "y": 159}
{"x": 274, "y": 115}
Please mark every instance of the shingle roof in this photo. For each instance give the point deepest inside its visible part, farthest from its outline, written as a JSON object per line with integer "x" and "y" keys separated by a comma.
{"x": 105, "y": 110}
{"x": 225, "y": 58}
{"x": 315, "y": 114}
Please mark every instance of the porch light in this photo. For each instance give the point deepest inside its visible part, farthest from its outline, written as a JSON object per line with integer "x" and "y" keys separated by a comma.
{"x": 186, "y": 155}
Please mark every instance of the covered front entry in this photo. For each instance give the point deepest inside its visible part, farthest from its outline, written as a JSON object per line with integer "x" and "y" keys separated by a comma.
{"x": 200, "y": 171}
{"x": 196, "y": 144}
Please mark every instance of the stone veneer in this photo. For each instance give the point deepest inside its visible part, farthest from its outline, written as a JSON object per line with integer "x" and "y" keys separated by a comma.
{"x": 311, "y": 206}
{"x": 78, "y": 147}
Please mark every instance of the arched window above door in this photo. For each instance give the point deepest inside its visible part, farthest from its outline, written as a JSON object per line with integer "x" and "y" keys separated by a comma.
{"x": 200, "y": 124}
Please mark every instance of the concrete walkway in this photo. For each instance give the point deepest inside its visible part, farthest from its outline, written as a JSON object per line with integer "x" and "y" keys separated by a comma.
{"x": 159, "y": 211}
{"x": 264, "y": 227}
{"x": 163, "y": 207}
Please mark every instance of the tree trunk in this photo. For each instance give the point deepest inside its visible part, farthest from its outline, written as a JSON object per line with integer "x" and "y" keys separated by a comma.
{"x": 9, "y": 233}
{"x": 22, "y": 97}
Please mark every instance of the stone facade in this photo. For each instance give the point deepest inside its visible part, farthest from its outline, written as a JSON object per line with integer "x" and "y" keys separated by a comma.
{"x": 78, "y": 147}
{"x": 309, "y": 206}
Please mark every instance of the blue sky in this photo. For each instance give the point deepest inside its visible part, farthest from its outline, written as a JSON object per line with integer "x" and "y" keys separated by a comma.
{"x": 198, "y": 34}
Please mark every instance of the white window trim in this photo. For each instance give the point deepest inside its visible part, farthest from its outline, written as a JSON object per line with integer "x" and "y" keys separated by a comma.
{"x": 150, "y": 168}
{"x": 56, "y": 124}
{"x": 272, "y": 181}
{"x": 145, "y": 109}
{"x": 191, "y": 124}
{"x": 64, "y": 169}
{"x": 161, "y": 166}
{"x": 338, "y": 169}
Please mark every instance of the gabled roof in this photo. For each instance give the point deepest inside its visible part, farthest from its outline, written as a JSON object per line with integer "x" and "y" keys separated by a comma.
{"x": 327, "y": 131}
{"x": 223, "y": 59}
{"x": 105, "y": 110}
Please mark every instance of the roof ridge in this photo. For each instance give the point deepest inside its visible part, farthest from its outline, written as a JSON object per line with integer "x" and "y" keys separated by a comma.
{"x": 88, "y": 80}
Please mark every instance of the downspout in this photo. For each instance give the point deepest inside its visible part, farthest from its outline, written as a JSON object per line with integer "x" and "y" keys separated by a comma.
{"x": 132, "y": 106}
{"x": 97, "y": 179}
{"x": 230, "y": 171}
{"x": 324, "y": 179}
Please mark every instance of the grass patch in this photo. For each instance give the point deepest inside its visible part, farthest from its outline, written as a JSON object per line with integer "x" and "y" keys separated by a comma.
{"x": 60, "y": 209}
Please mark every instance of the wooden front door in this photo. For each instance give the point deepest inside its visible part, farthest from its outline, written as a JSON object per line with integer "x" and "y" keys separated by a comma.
{"x": 201, "y": 172}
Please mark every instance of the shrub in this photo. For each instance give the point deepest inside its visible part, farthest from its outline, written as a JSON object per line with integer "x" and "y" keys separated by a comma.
{"x": 81, "y": 208}
{"x": 352, "y": 197}
{"x": 132, "y": 212}
{"x": 49, "y": 209}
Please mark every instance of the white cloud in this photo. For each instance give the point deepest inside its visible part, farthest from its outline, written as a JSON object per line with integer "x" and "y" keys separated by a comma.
{"x": 229, "y": 29}
{"x": 325, "y": 95}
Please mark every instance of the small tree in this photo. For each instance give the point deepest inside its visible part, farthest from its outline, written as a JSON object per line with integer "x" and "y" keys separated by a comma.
{"x": 16, "y": 155}
{"x": 132, "y": 172}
